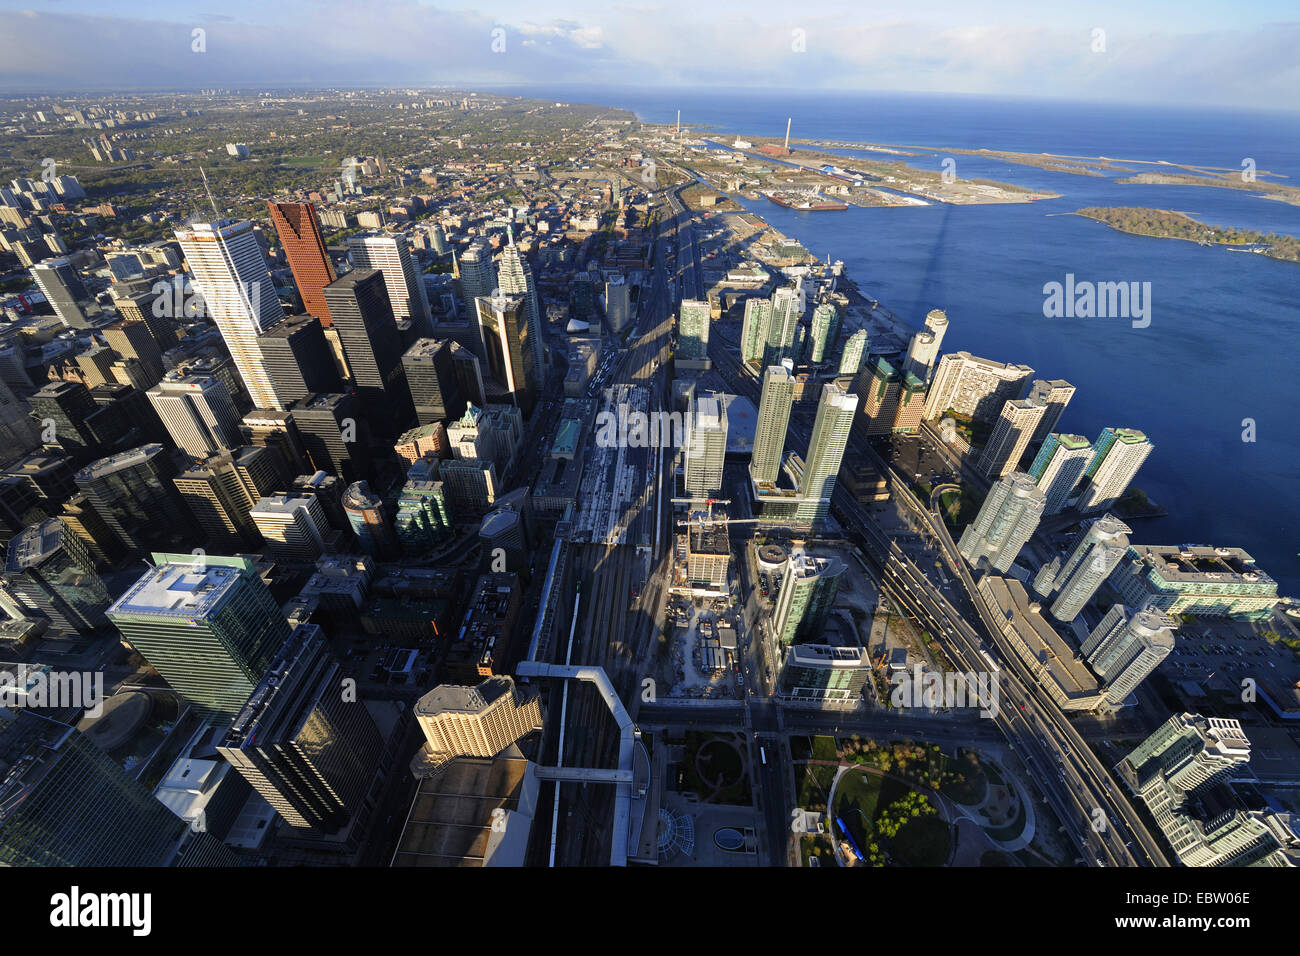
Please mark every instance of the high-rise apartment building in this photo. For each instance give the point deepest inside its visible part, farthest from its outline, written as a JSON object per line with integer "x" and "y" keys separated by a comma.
{"x": 1117, "y": 454}
{"x": 1011, "y": 434}
{"x": 808, "y": 588}
{"x": 230, "y": 271}
{"x": 298, "y": 227}
{"x": 830, "y": 436}
{"x": 692, "y": 335}
{"x": 706, "y": 448}
{"x": 973, "y": 386}
{"x": 923, "y": 350}
{"x": 1055, "y": 395}
{"x": 1073, "y": 583}
{"x": 1005, "y": 522}
{"x": 1058, "y": 467}
{"x": 855, "y": 352}
{"x": 207, "y": 624}
{"x": 1127, "y": 646}
{"x": 774, "y": 407}
{"x": 824, "y": 331}
{"x": 1193, "y": 579}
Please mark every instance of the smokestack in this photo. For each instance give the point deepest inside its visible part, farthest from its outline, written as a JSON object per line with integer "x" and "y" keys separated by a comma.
{"x": 787, "y": 133}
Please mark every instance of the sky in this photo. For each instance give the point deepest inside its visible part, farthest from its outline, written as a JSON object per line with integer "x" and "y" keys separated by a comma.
{"x": 1189, "y": 53}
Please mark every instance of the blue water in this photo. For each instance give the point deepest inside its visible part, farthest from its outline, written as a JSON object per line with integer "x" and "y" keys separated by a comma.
{"x": 1221, "y": 346}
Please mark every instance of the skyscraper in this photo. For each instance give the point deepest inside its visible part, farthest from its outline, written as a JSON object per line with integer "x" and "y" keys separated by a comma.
{"x": 878, "y": 388}
{"x": 855, "y": 352}
{"x": 63, "y": 289}
{"x": 476, "y": 277}
{"x": 830, "y": 435}
{"x": 706, "y": 448}
{"x": 133, "y": 493}
{"x": 1185, "y": 754}
{"x": 787, "y": 312}
{"x": 298, "y": 358}
{"x": 60, "y": 410}
{"x": 1054, "y": 394}
{"x": 221, "y": 491}
{"x": 330, "y": 428}
{"x": 514, "y": 277}
{"x": 773, "y": 421}
{"x": 64, "y": 802}
{"x": 391, "y": 255}
{"x": 230, "y": 271}
{"x": 294, "y": 526}
{"x": 693, "y": 335}
{"x": 364, "y": 321}
{"x": 753, "y": 335}
{"x": 307, "y": 750}
{"x": 618, "y": 303}
{"x": 52, "y": 575}
{"x": 477, "y": 721}
{"x": 365, "y": 513}
{"x": 923, "y": 351}
{"x": 808, "y": 588}
{"x": 131, "y": 338}
{"x": 137, "y": 303}
{"x": 298, "y": 227}
{"x": 504, "y": 331}
{"x": 1117, "y": 455}
{"x": 1058, "y": 466}
{"x": 197, "y": 412}
{"x": 431, "y": 377}
{"x": 974, "y": 386}
{"x": 207, "y": 624}
{"x": 824, "y": 330}
{"x": 1127, "y": 646}
{"x": 1007, "y": 519}
{"x": 1011, "y": 433}
{"x": 1095, "y": 555}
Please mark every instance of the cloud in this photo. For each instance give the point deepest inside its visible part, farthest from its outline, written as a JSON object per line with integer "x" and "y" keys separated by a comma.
{"x": 333, "y": 43}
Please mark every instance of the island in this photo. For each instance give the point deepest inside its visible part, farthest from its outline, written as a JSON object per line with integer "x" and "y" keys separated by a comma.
{"x": 1169, "y": 224}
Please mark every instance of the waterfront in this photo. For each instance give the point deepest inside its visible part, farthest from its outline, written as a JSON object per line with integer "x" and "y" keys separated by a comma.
{"x": 1220, "y": 346}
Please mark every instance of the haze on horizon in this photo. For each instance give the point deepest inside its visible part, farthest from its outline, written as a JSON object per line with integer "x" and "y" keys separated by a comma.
{"x": 1195, "y": 53}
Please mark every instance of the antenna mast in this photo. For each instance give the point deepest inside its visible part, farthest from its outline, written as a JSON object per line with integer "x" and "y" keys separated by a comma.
{"x": 208, "y": 190}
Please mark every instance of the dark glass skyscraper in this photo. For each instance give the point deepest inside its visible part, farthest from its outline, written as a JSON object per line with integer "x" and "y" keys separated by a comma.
{"x": 64, "y": 802}
{"x": 308, "y": 751}
{"x": 372, "y": 347}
